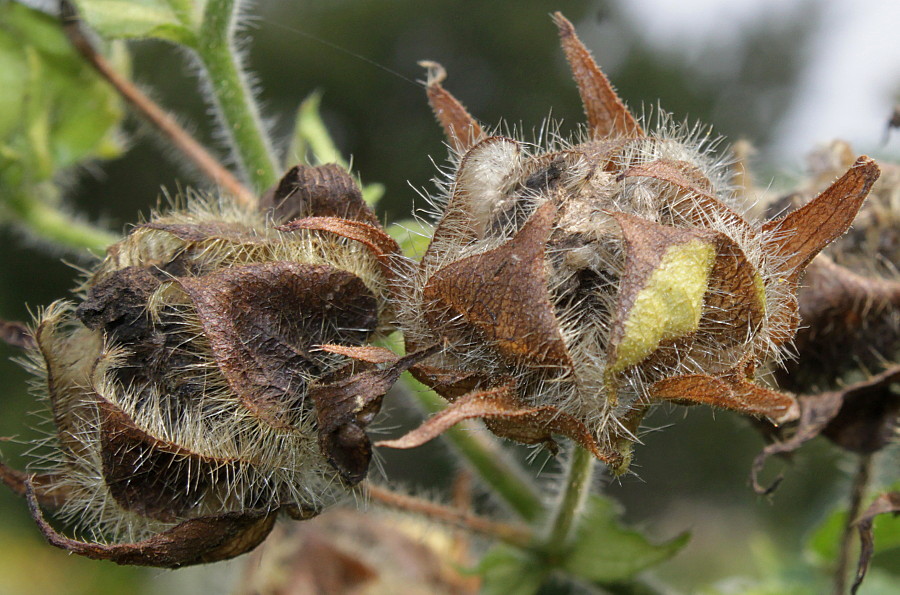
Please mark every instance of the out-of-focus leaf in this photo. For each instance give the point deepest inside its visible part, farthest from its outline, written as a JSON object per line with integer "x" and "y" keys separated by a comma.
{"x": 823, "y": 543}
{"x": 55, "y": 110}
{"x": 605, "y": 552}
{"x": 509, "y": 571}
{"x": 312, "y": 143}
{"x": 412, "y": 235}
{"x": 172, "y": 20}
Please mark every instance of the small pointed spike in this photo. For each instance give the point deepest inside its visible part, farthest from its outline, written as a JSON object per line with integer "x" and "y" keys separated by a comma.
{"x": 606, "y": 114}
{"x": 461, "y": 129}
{"x": 802, "y": 234}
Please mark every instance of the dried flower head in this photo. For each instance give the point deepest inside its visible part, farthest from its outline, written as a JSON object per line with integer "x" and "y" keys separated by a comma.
{"x": 574, "y": 283}
{"x": 190, "y": 399}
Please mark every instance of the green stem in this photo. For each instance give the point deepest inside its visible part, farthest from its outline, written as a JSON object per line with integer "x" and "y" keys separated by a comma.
{"x": 492, "y": 463}
{"x": 52, "y": 224}
{"x": 578, "y": 484}
{"x": 232, "y": 94}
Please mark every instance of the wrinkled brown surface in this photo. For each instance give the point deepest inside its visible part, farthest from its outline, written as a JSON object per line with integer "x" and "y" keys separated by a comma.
{"x": 502, "y": 293}
{"x": 262, "y": 320}
{"x": 320, "y": 191}
{"x": 802, "y": 234}
{"x": 506, "y": 417}
{"x": 694, "y": 185}
{"x": 887, "y": 503}
{"x": 118, "y": 301}
{"x": 197, "y": 541}
{"x": 606, "y": 113}
{"x": 145, "y": 475}
{"x": 346, "y": 407}
{"x": 460, "y": 128}
{"x": 16, "y": 334}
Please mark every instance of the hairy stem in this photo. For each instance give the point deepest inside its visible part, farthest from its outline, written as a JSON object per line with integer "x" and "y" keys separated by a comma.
{"x": 511, "y": 534}
{"x": 490, "y": 461}
{"x": 232, "y": 94}
{"x": 857, "y": 495}
{"x": 578, "y": 484}
{"x": 158, "y": 117}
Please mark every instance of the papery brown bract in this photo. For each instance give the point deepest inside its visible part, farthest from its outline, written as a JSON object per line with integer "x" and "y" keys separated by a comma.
{"x": 588, "y": 279}
{"x": 185, "y": 387}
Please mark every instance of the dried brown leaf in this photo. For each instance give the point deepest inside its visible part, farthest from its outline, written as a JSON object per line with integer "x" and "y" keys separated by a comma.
{"x": 861, "y": 417}
{"x": 345, "y": 407}
{"x": 517, "y": 317}
{"x": 802, "y": 234}
{"x": 507, "y": 417}
{"x": 606, "y": 114}
{"x": 196, "y": 541}
{"x": 262, "y": 320}
{"x": 460, "y": 128}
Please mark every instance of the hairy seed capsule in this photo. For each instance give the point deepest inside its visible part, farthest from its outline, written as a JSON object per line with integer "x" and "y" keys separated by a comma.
{"x": 575, "y": 283}
{"x": 185, "y": 386}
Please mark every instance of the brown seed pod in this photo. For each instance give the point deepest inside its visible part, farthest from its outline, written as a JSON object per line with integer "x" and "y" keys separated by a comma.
{"x": 186, "y": 387}
{"x": 573, "y": 284}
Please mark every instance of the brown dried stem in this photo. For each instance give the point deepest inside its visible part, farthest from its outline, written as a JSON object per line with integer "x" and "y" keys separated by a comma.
{"x": 158, "y": 117}
{"x": 513, "y": 535}
{"x": 857, "y": 494}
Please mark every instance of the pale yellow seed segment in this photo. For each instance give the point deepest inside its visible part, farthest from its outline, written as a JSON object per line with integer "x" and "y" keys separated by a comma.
{"x": 670, "y": 304}
{"x": 760, "y": 287}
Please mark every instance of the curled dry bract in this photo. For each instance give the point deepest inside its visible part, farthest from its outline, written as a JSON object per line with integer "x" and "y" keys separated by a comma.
{"x": 190, "y": 398}
{"x": 575, "y": 283}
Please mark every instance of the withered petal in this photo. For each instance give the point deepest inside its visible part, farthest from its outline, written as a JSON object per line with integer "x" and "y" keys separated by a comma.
{"x": 262, "y": 320}
{"x": 846, "y": 414}
{"x": 196, "y": 541}
{"x": 318, "y": 191}
{"x": 887, "y": 503}
{"x": 606, "y": 113}
{"x": 460, "y": 128}
{"x": 508, "y": 418}
{"x": 800, "y": 235}
{"x": 503, "y": 294}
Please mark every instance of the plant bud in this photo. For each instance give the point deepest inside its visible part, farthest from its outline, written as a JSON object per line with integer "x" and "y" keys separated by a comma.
{"x": 186, "y": 386}
{"x": 575, "y": 283}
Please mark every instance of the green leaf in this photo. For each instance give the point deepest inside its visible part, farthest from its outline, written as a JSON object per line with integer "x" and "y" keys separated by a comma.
{"x": 412, "y": 235}
{"x": 823, "y": 543}
{"x": 508, "y": 571}
{"x": 312, "y": 144}
{"x": 172, "y": 20}
{"x": 54, "y": 110}
{"x": 604, "y": 552}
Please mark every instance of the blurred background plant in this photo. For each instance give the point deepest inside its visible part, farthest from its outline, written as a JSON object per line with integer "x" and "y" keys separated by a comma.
{"x": 748, "y": 71}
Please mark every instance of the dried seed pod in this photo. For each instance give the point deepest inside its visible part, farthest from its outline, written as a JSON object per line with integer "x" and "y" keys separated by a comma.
{"x": 189, "y": 397}
{"x": 575, "y": 283}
